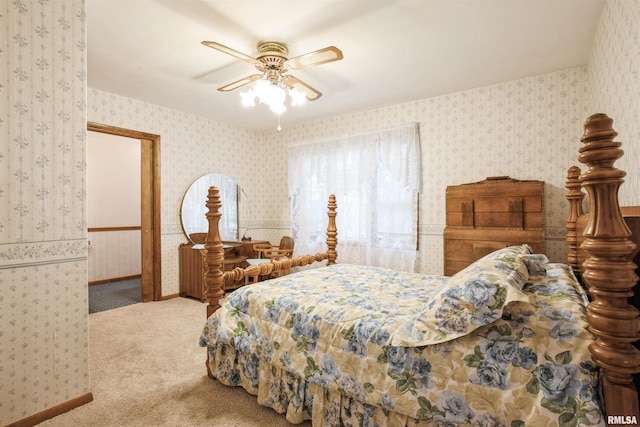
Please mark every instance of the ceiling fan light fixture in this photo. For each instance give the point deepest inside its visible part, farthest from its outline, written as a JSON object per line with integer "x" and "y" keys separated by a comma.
{"x": 278, "y": 108}
{"x": 297, "y": 97}
{"x": 272, "y": 94}
{"x": 248, "y": 98}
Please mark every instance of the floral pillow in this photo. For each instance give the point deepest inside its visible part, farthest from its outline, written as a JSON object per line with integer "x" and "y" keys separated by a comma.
{"x": 473, "y": 297}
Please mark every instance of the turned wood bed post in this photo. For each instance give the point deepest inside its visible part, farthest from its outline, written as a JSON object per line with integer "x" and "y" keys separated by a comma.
{"x": 332, "y": 231}
{"x": 575, "y": 196}
{"x": 213, "y": 254}
{"x": 609, "y": 273}
{"x": 214, "y": 274}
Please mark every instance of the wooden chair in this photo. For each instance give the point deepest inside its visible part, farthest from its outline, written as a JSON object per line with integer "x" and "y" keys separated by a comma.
{"x": 259, "y": 249}
{"x": 266, "y": 252}
{"x": 285, "y": 248}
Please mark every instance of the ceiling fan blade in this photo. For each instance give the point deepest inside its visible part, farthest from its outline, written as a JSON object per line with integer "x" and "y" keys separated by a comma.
{"x": 295, "y": 83}
{"x": 222, "y": 48}
{"x": 239, "y": 83}
{"x": 317, "y": 57}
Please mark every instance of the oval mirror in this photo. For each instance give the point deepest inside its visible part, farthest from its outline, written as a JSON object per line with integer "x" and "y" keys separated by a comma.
{"x": 234, "y": 209}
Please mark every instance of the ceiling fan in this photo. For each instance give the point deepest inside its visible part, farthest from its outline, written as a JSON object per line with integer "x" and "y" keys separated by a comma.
{"x": 273, "y": 62}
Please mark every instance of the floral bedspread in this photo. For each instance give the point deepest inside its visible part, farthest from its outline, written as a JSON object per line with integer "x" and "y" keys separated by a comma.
{"x": 318, "y": 345}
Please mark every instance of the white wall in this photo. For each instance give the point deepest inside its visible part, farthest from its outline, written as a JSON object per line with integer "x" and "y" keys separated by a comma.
{"x": 113, "y": 202}
{"x": 114, "y": 255}
{"x": 113, "y": 180}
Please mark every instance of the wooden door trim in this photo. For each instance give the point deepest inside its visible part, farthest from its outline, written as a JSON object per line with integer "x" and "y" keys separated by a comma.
{"x": 150, "y": 206}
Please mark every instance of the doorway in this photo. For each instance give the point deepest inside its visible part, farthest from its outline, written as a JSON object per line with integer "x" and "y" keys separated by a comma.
{"x": 149, "y": 207}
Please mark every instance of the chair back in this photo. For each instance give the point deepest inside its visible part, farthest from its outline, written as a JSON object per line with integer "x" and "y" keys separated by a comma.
{"x": 267, "y": 253}
{"x": 260, "y": 249}
{"x": 287, "y": 243}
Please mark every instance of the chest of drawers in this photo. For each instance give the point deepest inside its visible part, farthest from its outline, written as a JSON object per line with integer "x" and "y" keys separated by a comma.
{"x": 489, "y": 215}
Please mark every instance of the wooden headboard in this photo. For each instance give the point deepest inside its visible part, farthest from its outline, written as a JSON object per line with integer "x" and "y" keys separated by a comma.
{"x": 489, "y": 215}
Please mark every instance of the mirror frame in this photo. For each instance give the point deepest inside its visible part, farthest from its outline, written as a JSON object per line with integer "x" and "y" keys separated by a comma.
{"x": 193, "y": 205}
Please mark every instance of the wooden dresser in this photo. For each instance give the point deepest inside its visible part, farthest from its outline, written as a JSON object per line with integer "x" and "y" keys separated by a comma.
{"x": 489, "y": 215}
{"x": 191, "y": 266}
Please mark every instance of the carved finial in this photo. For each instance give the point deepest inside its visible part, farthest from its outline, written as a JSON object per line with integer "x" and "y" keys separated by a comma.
{"x": 600, "y": 151}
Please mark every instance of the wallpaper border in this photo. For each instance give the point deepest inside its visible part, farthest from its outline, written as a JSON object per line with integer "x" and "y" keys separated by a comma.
{"x": 16, "y": 255}
{"x": 551, "y": 233}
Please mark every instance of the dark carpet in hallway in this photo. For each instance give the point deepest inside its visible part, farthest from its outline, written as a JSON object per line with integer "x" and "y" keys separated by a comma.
{"x": 106, "y": 296}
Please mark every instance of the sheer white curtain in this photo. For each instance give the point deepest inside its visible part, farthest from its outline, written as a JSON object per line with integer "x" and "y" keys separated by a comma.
{"x": 376, "y": 179}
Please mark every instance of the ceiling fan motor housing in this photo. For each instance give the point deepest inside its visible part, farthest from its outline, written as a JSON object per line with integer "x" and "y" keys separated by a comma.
{"x": 272, "y": 55}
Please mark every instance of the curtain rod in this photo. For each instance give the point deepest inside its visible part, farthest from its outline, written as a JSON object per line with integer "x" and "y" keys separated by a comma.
{"x": 334, "y": 138}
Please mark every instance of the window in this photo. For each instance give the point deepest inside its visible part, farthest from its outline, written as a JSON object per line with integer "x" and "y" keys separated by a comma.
{"x": 376, "y": 179}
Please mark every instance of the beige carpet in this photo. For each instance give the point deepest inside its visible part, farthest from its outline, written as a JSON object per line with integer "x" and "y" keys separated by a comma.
{"x": 148, "y": 370}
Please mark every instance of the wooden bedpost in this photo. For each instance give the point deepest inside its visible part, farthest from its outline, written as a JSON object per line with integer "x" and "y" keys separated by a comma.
{"x": 575, "y": 196}
{"x": 608, "y": 271}
{"x": 214, "y": 254}
{"x": 332, "y": 231}
{"x": 214, "y": 274}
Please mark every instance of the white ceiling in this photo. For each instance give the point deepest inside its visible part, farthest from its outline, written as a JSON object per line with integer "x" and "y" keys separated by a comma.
{"x": 394, "y": 50}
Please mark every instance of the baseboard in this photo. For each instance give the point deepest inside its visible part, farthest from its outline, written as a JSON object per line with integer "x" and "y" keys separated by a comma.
{"x": 114, "y": 279}
{"x": 164, "y": 297}
{"x": 53, "y": 412}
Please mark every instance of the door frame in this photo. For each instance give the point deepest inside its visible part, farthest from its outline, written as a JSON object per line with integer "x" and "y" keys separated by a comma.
{"x": 149, "y": 206}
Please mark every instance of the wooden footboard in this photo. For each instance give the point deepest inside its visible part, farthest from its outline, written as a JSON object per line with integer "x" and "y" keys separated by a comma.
{"x": 607, "y": 271}
{"x": 214, "y": 276}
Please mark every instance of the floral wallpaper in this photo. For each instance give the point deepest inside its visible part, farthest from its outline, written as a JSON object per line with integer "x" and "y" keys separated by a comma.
{"x": 527, "y": 128}
{"x": 614, "y": 85}
{"x": 43, "y": 251}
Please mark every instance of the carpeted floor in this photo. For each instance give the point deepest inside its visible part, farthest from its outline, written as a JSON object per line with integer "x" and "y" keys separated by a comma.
{"x": 147, "y": 370}
{"x": 107, "y": 296}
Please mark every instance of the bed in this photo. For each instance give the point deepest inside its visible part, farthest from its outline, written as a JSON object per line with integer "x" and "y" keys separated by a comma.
{"x": 509, "y": 340}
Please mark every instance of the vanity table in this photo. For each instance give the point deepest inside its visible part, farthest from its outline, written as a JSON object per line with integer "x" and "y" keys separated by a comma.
{"x": 191, "y": 266}
{"x": 235, "y": 215}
